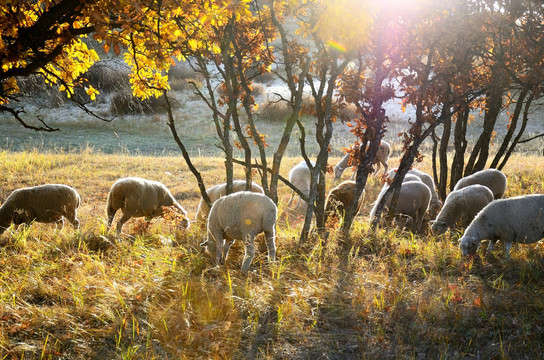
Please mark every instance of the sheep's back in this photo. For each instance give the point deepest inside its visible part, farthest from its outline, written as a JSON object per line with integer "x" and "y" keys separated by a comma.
{"x": 243, "y": 213}
{"x": 48, "y": 202}
{"x": 523, "y": 216}
{"x": 414, "y": 196}
{"x": 139, "y": 196}
{"x": 494, "y": 179}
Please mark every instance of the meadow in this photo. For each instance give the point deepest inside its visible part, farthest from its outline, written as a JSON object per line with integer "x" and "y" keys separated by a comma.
{"x": 153, "y": 293}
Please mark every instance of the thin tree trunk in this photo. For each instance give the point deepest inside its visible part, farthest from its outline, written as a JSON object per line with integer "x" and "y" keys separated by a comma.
{"x": 460, "y": 145}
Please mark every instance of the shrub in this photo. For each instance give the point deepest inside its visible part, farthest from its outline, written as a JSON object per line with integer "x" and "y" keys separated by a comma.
{"x": 124, "y": 103}
{"x": 275, "y": 111}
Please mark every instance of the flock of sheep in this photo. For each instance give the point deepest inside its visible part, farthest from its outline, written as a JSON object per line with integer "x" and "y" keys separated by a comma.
{"x": 474, "y": 204}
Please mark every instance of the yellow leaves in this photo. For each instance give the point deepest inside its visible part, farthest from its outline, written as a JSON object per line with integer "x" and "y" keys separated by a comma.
{"x": 92, "y": 92}
{"x": 343, "y": 24}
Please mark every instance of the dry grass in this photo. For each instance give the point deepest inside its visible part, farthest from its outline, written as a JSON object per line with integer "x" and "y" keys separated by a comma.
{"x": 155, "y": 295}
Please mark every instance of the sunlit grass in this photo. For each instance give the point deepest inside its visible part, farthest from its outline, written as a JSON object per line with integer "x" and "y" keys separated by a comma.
{"x": 156, "y": 294}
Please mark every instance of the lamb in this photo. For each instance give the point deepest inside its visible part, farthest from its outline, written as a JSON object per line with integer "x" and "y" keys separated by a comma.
{"x": 462, "y": 206}
{"x": 340, "y": 198}
{"x": 241, "y": 216}
{"x": 414, "y": 198}
{"x": 300, "y": 177}
{"x": 382, "y": 156}
{"x": 138, "y": 197}
{"x": 217, "y": 191}
{"x": 518, "y": 219}
{"x": 494, "y": 179}
{"x": 49, "y": 203}
{"x": 435, "y": 204}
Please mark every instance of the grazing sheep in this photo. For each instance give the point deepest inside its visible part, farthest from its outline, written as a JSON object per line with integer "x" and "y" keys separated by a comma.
{"x": 45, "y": 203}
{"x": 382, "y": 156}
{"x": 241, "y": 216}
{"x": 461, "y": 206}
{"x": 414, "y": 198}
{"x": 494, "y": 179}
{"x": 340, "y": 198}
{"x": 138, "y": 197}
{"x": 435, "y": 204}
{"x": 217, "y": 191}
{"x": 518, "y": 219}
{"x": 300, "y": 177}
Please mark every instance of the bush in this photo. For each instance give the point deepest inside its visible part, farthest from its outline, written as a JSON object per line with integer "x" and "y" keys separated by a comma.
{"x": 124, "y": 103}
{"x": 275, "y": 111}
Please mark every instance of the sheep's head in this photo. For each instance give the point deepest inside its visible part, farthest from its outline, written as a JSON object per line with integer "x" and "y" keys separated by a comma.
{"x": 338, "y": 171}
{"x": 439, "y": 227}
{"x": 469, "y": 244}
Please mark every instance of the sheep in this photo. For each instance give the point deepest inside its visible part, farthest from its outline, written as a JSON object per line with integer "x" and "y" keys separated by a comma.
{"x": 382, "y": 156}
{"x": 494, "y": 179}
{"x": 217, "y": 191}
{"x": 300, "y": 177}
{"x": 413, "y": 200}
{"x": 49, "y": 203}
{"x": 341, "y": 197}
{"x": 518, "y": 219}
{"x": 461, "y": 206}
{"x": 138, "y": 197}
{"x": 435, "y": 204}
{"x": 241, "y": 216}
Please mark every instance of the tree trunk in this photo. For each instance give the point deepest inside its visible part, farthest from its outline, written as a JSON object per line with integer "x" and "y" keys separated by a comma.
{"x": 460, "y": 146}
{"x": 511, "y": 129}
{"x": 443, "y": 155}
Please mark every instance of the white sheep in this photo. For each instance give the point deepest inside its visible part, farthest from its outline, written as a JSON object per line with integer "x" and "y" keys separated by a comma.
{"x": 341, "y": 197}
{"x": 45, "y": 203}
{"x": 435, "y": 204}
{"x": 241, "y": 216}
{"x": 217, "y": 191}
{"x": 413, "y": 200}
{"x": 382, "y": 156}
{"x": 518, "y": 219}
{"x": 138, "y": 197}
{"x": 461, "y": 206}
{"x": 494, "y": 179}
{"x": 300, "y": 177}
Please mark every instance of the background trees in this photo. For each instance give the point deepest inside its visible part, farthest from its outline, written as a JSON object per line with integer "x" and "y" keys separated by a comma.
{"x": 446, "y": 60}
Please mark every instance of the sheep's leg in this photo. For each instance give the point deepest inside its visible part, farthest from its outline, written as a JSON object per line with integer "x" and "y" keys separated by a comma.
{"x": 226, "y": 248}
{"x": 249, "y": 246}
{"x": 490, "y": 246}
{"x": 122, "y": 222}
{"x": 507, "y": 247}
{"x": 291, "y": 198}
{"x": 60, "y": 222}
{"x": 271, "y": 244}
{"x": 385, "y": 168}
{"x": 377, "y": 168}
{"x": 215, "y": 241}
{"x": 111, "y": 214}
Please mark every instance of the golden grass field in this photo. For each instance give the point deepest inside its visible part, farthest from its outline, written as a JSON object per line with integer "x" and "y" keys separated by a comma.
{"x": 89, "y": 294}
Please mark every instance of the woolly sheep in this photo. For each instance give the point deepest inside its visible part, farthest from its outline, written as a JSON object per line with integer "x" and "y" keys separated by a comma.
{"x": 494, "y": 179}
{"x": 435, "y": 204}
{"x": 518, "y": 219}
{"x": 241, "y": 216}
{"x": 461, "y": 206}
{"x": 138, "y": 197}
{"x": 45, "y": 203}
{"x": 413, "y": 200}
{"x": 300, "y": 177}
{"x": 382, "y": 156}
{"x": 217, "y": 191}
{"x": 341, "y": 197}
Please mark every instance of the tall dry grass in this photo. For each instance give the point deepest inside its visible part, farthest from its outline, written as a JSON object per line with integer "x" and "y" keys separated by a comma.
{"x": 154, "y": 294}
